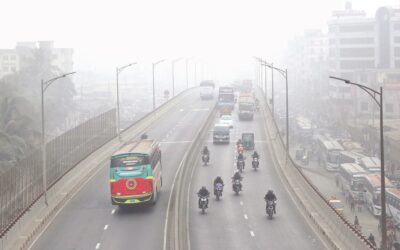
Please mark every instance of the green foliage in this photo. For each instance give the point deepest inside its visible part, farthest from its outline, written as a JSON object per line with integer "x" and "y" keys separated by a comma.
{"x": 20, "y": 110}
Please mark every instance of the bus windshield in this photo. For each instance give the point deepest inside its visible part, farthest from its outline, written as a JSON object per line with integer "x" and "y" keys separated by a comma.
{"x": 129, "y": 161}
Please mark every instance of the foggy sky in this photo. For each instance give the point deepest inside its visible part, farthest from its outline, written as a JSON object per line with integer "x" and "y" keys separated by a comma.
{"x": 109, "y": 33}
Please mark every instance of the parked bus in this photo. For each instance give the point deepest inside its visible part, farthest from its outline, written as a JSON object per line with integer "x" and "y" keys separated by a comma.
{"x": 393, "y": 202}
{"x": 135, "y": 173}
{"x": 371, "y": 164}
{"x": 304, "y": 129}
{"x": 350, "y": 157}
{"x": 350, "y": 180}
{"x": 372, "y": 185}
{"x": 328, "y": 153}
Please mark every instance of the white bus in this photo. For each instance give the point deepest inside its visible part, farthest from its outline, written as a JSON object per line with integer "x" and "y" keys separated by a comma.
{"x": 371, "y": 164}
{"x": 350, "y": 157}
{"x": 393, "y": 202}
{"x": 350, "y": 180}
{"x": 372, "y": 185}
{"x": 328, "y": 153}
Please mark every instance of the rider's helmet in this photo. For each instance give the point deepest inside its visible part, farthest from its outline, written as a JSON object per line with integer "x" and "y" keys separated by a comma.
{"x": 143, "y": 136}
{"x": 205, "y": 148}
{"x": 203, "y": 187}
{"x": 270, "y": 191}
{"x": 218, "y": 178}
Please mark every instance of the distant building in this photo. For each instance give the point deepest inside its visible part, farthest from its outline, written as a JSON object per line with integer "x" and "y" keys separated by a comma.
{"x": 12, "y": 60}
{"x": 9, "y": 62}
{"x": 365, "y": 50}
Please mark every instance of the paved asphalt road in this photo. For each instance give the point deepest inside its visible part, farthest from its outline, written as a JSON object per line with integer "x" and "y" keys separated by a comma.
{"x": 89, "y": 221}
{"x": 240, "y": 222}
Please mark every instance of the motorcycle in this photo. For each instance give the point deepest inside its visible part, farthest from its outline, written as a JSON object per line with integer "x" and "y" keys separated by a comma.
{"x": 255, "y": 163}
{"x": 237, "y": 186}
{"x": 270, "y": 208}
{"x": 203, "y": 204}
{"x": 240, "y": 165}
{"x": 205, "y": 158}
{"x": 218, "y": 190}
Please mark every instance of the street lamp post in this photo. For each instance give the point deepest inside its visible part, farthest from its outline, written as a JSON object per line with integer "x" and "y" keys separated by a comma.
{"x": 173, "y": 73}
{"x": 118, "y": 71}
{"x": 187, "y": 73}
{"x": 44, "y": 85}
{"x": 284, "y": 73}
{"x": 371, "y": 92}
{"x": 154, "y": 91}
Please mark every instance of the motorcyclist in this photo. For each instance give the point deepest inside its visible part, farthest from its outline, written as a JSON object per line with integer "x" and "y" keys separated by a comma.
{"x": 217, "y": 180}
{"x": 270, "y": 196}
{"x": 205, "y": 151}
{"x": 237, "y": 176}
{"x": 239, "y": 159}
{"x": 203, "y": 192}
{"x": 255, "y": 154}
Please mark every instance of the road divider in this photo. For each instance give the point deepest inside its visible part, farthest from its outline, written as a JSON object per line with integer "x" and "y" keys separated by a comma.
{"x": 176, "y": 228}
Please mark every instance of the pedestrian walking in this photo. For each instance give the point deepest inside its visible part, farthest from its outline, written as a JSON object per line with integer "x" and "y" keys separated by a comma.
{"x": 356, "y": 222}
{"x": 371, "y": 239}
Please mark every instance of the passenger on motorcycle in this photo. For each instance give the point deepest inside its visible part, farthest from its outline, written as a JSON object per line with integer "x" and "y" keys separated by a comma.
{"x": 237, "y": 176}
{"x": 205, "y": 151}
{"x": 240, "y": 158}
{"x": 203, "y": 192}
{"x": 270, "y": 196}
{"x": 217, "y": 180}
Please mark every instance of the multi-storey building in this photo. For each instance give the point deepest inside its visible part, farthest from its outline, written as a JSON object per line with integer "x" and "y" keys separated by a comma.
{"x": 366, "y": 50}
{"x": 12, "y": 60}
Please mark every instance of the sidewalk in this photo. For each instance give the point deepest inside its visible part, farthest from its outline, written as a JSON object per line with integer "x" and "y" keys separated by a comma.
{"x": 325, "y": 182}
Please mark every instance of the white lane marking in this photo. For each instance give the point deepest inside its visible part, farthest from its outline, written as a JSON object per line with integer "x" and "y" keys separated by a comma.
{"x": 105, "y": 227}
{"x": 245, "y": 216}
{"x": 98, "y": 246}
{"x": 170, "y": 142}
{"x": 252, "y": 234}
{"x": 241, "y": 203}
{"x": 113, "y": 211}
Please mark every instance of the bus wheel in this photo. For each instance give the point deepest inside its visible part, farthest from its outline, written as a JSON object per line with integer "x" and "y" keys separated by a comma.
{"x": 154, "y": 198}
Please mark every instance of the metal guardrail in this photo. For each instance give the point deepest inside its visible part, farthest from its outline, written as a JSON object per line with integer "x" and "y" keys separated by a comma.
{"x": 176, "y": 231}
{"x": 21, "y": 185}
{"x": 339, "y": 232}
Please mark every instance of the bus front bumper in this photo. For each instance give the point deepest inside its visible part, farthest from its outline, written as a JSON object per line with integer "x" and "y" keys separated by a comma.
{"x": 131, "y": 199}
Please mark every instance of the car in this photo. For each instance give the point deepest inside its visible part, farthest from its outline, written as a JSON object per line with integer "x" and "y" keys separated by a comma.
{"x": 221, "y": 134}
{"x": 226, "y": 120}
{"x": 337, "y": 205}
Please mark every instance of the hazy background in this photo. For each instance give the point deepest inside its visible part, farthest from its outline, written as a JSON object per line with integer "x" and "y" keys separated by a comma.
{"x": 105, "y": 34}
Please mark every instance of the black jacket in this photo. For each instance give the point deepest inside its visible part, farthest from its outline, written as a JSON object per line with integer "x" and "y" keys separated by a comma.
{"x": 203, "y": 192}
{"x": 270, "y": 197}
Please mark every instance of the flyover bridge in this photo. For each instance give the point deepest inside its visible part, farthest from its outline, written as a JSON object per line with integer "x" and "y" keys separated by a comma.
{"x": 80, "y": 214}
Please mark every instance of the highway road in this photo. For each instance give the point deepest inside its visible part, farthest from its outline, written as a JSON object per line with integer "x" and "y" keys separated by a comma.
{"x": 240, "y": 222}
{"x": 89, "y": 221}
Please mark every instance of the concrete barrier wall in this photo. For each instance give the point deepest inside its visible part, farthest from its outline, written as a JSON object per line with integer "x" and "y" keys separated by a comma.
{"x": 333, "y": 229}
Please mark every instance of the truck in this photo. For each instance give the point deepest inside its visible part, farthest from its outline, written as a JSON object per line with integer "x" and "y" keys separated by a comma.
{"x": 226, "y": 100}
{"x": 246, "y": 107}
